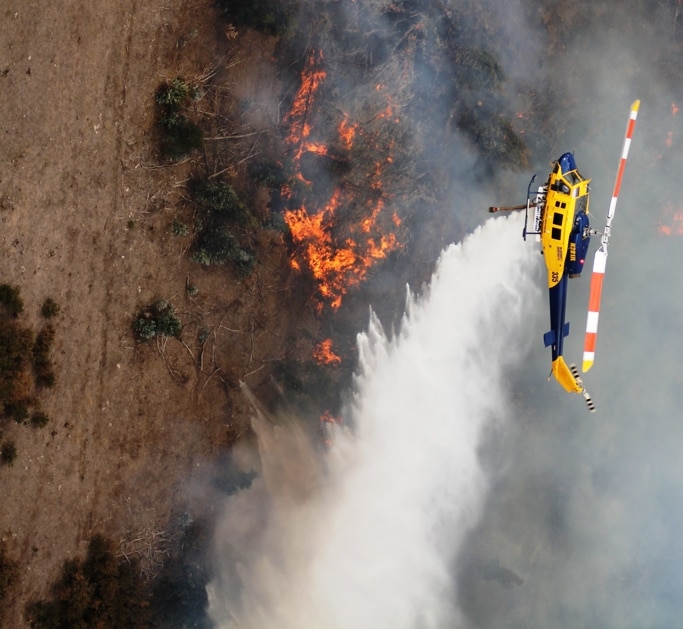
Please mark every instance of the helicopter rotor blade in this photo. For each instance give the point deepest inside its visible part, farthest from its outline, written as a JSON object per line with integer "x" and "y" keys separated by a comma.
{"x": 600, "y": 260}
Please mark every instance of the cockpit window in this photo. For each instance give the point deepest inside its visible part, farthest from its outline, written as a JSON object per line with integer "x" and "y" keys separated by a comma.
{"x": 582, "y": 204}
{"x": 573, "y": 177}
{"x": 560, "y": 186}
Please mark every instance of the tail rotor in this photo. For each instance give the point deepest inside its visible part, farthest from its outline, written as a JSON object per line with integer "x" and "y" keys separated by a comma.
{"x": 586, "y": 395}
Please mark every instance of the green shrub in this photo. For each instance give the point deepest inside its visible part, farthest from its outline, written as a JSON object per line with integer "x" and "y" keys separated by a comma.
{"x": 276, "y": 222}
{"x": 8, "y": 453}
{"x": 158, "y": 319}
{"x": 17, "y": 410}
{"x": 179, "y": 229}
{"x": 10, "y": 298}
{"x": 221, "y": 201}
{"x": 172, "y": 96}
{"x": 39, "y": 419}
{"x": 216, "y": 245}
{"x": 49, "y": 309}
{"x": 179, "y": 136}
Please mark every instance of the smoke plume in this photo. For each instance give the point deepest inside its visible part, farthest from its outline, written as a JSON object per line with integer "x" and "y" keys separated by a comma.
{"x": 465, "y": 490}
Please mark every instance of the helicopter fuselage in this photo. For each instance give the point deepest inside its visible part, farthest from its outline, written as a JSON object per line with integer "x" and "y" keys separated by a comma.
{"x": 565, "y": 227}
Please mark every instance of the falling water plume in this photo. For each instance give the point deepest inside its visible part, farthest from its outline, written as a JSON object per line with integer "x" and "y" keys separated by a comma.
{"x": 372, "y": 539}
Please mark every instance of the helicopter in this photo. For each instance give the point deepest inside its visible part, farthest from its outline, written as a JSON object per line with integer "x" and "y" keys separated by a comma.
{"x": 559, "y": 217}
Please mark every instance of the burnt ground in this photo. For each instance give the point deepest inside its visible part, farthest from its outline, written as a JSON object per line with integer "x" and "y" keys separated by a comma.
{"x": 86, "y": 218}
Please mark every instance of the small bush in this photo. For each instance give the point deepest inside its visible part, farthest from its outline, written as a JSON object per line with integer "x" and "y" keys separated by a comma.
{"x": 172, "y": 96}
{"x": 10, "y": 298}
{"x": 276, "y": 222}
{"x": 222, "y": 202}
{"x": 17, "y": 410}
{"x": 39, "y": 419}
{"x": 179, "y": 137}
{"x": 216, "y": 245}
{"x": 49, "y": 309}
{"x": 158, "y": 319}
{"x": 179, "y": 228}
{"x": 216, "y": 195}
{"x": 8, "y": 453}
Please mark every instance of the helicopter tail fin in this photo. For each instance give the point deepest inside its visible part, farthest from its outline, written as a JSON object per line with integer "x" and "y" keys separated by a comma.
{"x": 550, "y": 337}
{"x": 563, "y": 374}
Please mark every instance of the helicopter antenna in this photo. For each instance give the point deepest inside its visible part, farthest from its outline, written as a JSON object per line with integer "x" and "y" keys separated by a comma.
{"x": 600, "y": 259}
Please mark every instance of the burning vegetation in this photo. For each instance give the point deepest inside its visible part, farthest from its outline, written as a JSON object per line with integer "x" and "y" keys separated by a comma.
{"x": 339, "y": 216}
{"x": 366, "y": 138}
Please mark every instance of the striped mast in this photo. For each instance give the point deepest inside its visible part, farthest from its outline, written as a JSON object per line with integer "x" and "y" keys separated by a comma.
{"x": 600, "y": 260}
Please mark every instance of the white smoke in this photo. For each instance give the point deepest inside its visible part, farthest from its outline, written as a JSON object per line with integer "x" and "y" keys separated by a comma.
{"x": 368, "y": 536}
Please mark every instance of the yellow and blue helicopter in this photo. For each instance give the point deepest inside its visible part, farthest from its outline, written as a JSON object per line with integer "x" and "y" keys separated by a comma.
{"x": 560, "y": 220}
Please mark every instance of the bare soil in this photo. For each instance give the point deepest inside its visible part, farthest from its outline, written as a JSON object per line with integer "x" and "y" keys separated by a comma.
{"x": 85, "y": 218}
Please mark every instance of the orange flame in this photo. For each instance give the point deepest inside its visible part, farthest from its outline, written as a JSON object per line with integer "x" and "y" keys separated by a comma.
{"x": 674, "y": 224}
{"x": 346, "y": 132}
{"x": 323, "y": 353}
{"x": 336, "y": 262}
{"x": 312, "y": 78}
{"x": 328, "y": 418}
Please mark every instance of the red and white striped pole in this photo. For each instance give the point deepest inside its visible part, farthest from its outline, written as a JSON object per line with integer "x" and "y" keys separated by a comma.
{"x": 600, "y": 260}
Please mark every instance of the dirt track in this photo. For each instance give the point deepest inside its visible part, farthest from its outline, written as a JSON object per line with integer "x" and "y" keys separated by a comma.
{"x": 85, "y": 215}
